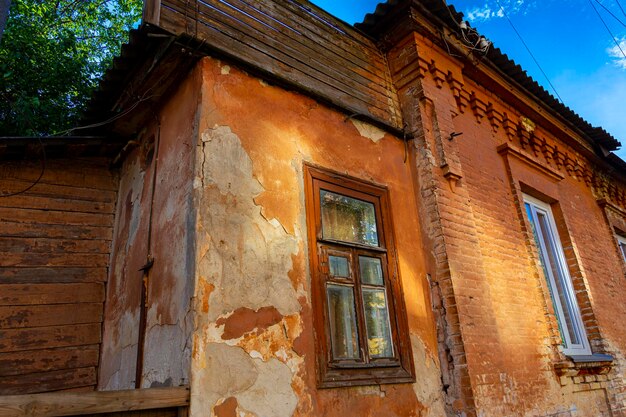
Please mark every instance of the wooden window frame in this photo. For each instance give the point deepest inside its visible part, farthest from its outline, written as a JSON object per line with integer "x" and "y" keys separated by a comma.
{"x": 366, "y": 371}
{"x": 569, "y": 348}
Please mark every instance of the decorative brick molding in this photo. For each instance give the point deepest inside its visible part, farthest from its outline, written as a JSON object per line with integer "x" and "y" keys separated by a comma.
{"x": 545, "y": 151}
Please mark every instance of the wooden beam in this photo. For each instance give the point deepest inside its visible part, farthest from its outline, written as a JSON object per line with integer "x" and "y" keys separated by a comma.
{"x": 88, "y": 403}
{"x": 152, "y": 12}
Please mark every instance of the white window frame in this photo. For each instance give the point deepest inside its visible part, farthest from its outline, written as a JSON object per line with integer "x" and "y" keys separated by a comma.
{"x": 569, "y": 348}
{"x": 621, "y": 244}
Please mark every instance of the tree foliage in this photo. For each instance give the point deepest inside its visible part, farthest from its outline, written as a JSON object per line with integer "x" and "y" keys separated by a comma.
{"x": 52, "y": 56}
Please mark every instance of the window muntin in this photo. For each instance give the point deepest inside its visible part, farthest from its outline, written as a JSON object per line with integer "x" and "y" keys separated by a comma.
{"x": 557, "y": 275}
{"x": 360, "y": 338}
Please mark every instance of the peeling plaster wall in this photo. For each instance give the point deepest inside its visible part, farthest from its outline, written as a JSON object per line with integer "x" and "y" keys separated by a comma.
{"x": 170, "y": 284}
{"x": 253, "y": 351}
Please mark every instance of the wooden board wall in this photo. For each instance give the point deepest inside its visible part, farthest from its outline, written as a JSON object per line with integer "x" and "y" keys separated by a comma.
{"x": 55, "y": 242}
{"x": 294, "y": 41}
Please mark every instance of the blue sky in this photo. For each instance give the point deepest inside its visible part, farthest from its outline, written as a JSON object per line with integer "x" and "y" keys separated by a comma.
{"x": 568, "y": 40}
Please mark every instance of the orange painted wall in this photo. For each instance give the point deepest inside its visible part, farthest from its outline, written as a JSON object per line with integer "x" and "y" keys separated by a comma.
{"x": 255, "y": 138}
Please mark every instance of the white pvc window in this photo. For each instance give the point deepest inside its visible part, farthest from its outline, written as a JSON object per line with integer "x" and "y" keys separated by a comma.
{"x": 557, "y": 275}
{"x": 621, "y": 242}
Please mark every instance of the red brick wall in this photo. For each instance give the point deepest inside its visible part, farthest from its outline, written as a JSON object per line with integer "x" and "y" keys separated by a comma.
{"x": 502, "y": 337}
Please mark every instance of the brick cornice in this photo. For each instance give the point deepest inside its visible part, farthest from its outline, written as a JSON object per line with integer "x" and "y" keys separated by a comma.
{"x": 537, "y": 148}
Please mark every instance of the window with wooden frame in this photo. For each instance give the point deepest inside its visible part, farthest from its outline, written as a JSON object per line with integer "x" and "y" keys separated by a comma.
{"x": 360, "y": 319}
{"x": 556, "y": 272}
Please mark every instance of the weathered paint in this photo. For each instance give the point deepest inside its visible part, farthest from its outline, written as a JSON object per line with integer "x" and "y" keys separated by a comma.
{"x": 253, "y": 340}
{"x": 170, "y": 281}
{"x": 55, "y": 242}
{"x": 121, "y": 316}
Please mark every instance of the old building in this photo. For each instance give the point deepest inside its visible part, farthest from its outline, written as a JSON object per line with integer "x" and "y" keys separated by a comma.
{"x": 291, "y": 216}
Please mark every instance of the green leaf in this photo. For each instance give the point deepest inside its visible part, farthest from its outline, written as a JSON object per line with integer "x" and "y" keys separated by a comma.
{"x": 52, "y": 55}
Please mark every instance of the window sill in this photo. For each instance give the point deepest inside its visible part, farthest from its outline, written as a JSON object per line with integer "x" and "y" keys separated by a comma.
{"x": 595, "y": 364}
{"x": 334, "y": 378}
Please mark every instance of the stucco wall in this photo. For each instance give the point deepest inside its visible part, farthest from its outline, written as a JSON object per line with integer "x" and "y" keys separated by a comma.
{"x": 253, "y": 351}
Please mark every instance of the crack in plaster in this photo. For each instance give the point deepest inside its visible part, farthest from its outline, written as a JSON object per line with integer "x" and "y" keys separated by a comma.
{"x": 246, "y": 258}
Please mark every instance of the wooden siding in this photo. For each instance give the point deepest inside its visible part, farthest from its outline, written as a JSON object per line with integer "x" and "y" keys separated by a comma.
{"x": 55, "y": 242}
{"x": 152, "y": 402}
{"x": 292, "y": 41}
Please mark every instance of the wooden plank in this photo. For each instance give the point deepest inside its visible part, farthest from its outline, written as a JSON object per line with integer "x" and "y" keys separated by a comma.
{"x": 53, "y": 259}
{"x": 161, "y": 412}
{"x": 31, "y": 294}
{"x": 41, "y": 275}
{"x": 88, "y": 388}
{"x": 43, "y": 360}
{"x": 151, "y": 12}
{"x": 46, "y": 245}
{"x": 61, "y": 172}
{"x": 57, "y": 191}
{"x": 45, "y": 381}
{"x": 16, "y": 340}
{"x": 53, "y": 217}
{"x": 13, "y": 317}
{"x": 89, "y": 403}
{"x": 349, "y": 40}
{"x": 331, "y": 23}
{"x": 171, "y": 20}
{"x": 64, "y": 231}
{"x": 253, "y": 36}
{"x": 300, "y": 31}
{"x": 22, "y": 201}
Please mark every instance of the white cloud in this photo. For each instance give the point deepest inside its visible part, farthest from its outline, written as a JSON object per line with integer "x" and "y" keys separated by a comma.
{"x": 493, "y": 10}
{"x": 617, "y": 54}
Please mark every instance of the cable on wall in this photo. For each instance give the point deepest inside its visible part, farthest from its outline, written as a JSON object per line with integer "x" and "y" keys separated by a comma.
{"x": 43, "y": 170}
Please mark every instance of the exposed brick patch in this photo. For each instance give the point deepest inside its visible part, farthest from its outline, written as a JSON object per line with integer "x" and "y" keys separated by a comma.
{"x": 244, "y": 320}
{"x": 227, "y": 409}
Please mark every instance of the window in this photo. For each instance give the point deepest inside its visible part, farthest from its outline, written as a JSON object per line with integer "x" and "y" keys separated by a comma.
{"x": 555, "y": 270}
{"x": 621, "y": 242}
{"x": 360, "y": 321}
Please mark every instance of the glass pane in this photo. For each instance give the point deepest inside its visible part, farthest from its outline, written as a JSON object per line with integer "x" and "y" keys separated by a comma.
{"x": 543, "y": 265}
{"x": 342, "y": 316}
{"x": 622, "y": 246}
{"x": 339, "y": 266}
{"x": 377, "y": 323}
{"x": 559, "y": 278}
{"x": 371, "y": 270}
{"x": 348, "y": 219}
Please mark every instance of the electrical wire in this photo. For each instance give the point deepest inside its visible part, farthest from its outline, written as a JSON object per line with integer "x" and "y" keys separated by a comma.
{"x": 529, "y": 51}
{"x": 607, "y": 28}
{"x": 611, "y": 13}
{"x": 620, "y": 7}
{"x": 111, "y": 119}
{"x": 43, "y": 169}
